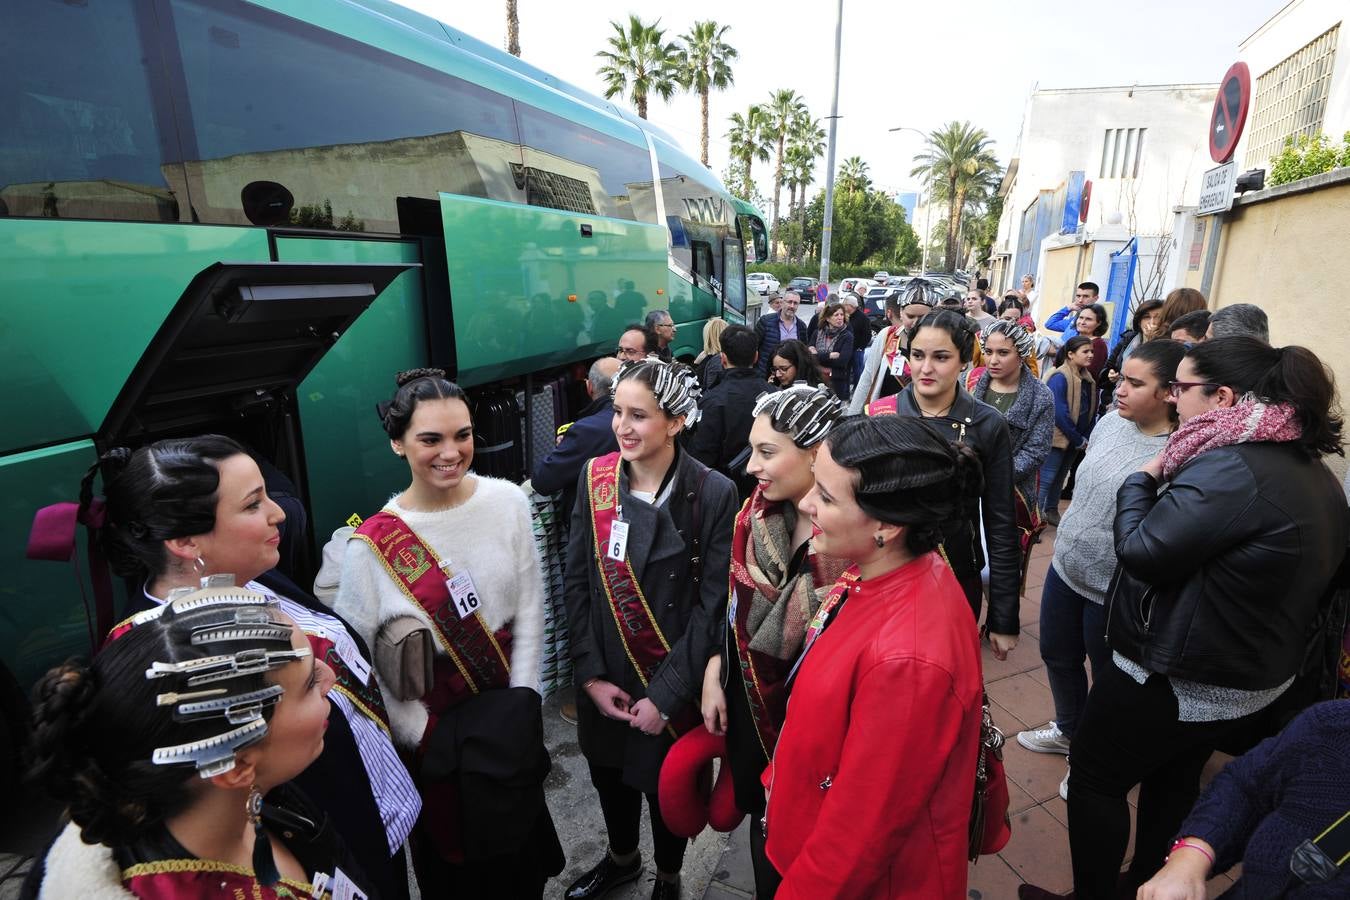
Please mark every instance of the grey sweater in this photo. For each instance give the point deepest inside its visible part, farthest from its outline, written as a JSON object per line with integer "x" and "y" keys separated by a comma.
{"x": 1085, "y": 549}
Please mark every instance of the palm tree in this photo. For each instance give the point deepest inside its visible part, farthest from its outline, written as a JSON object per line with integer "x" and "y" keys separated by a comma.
{"x": 808, "y": 145}
{"x": 749, "y": 142}
{"x": 705, "y": 65}
{"x": 512, "y": 28}
{"x": 639, "y": 62}
{"x": 853, "y": 175}
{"x": 784, "y": 110}
{"x": 955, "y": 155}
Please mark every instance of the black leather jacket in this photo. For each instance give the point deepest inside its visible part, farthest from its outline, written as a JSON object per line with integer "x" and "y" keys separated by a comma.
{"x": 1221, "y": 572}
{"x": 985, "y": 430}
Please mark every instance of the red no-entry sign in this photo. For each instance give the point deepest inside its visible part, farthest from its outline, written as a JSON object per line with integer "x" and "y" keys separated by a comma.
{"x": 1230, "y": 112}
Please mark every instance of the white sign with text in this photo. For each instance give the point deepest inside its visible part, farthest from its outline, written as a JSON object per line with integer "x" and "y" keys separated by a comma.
{"x": 1216, "y": 189}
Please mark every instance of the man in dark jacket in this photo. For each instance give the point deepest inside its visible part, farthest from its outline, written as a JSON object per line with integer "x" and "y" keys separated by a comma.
{"x": 772, "y": 330}
{"x": 589, "y": 436}
{"x": 724, "y": 430}
{"x": 861, "y": 326}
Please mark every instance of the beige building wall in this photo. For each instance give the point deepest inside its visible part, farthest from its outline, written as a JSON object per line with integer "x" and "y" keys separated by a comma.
{"x": 1065, "y": 268}
{"x": 1285, "y": 250}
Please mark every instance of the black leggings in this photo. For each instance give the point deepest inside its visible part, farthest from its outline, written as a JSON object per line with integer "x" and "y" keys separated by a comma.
{"x": 1128, "y": 735}
{"x": 622, "y": 808}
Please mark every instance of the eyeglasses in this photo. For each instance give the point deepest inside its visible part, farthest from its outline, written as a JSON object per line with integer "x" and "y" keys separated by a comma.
{"x": 1177, "y": 388}
{"x": 629, "y": 353}
{"x": 782, "y": 370}
{"x": 666, "y": 325}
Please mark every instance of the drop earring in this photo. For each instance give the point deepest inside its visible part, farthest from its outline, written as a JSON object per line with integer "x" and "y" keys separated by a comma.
{"x": 264, "y": 864}
{"x": 881, "y": 541}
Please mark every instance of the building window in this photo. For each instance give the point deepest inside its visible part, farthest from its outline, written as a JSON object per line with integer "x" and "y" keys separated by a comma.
{"x": 1122, "y": 148}
{"x": 1291, "y": 99}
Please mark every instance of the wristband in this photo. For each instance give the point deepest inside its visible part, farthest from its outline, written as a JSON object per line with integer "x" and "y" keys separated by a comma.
{"x": 1182, "y": 842}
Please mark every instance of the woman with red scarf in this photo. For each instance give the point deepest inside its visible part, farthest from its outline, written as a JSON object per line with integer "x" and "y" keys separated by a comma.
{"x": 1226, "y": 541}
{"x": 869, "y": 792}
{"x": 777, "y": 584}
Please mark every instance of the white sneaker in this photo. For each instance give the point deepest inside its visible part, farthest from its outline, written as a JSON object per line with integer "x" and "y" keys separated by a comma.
{"x": 1064, "y": 785}
{"x": 1044, "y": 740}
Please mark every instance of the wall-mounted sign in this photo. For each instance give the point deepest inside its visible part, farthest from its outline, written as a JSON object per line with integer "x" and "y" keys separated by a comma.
{"x": 1216, "y": 189}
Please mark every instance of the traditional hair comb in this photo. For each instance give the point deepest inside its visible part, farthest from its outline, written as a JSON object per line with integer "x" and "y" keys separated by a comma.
{"x": 214, "y": 755}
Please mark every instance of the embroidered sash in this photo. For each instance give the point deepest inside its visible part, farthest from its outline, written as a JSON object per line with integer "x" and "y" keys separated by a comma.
{"x": 763, "y": 675}
{"x": 886, "y": 406}
{"x": 365, "y": 696}
{"x": 479, "y": 656}
{"x": 836, "y": 595}
{"x": 642, "y": 639}
{"x": 180, "y": 879}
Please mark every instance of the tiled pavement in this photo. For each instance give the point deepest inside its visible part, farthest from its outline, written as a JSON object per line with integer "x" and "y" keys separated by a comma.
{"x": 1020, "y": 696}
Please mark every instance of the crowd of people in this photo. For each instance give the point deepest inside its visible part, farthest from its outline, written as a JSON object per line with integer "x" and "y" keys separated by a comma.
{"x": 784, "y": 554}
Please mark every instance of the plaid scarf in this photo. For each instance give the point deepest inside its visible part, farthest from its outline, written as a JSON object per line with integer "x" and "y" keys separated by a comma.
{"x": 1248, "y": 421}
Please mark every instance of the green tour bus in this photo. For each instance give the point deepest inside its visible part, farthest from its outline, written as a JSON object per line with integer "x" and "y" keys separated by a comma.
{"x": 245, "y": 217}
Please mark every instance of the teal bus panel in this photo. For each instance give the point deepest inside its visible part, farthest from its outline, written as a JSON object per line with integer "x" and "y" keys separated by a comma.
{"x": 532, "y": 288}
{"x": 42, "y": 620}
{"x": 351, "y": 466}
{"x": 82, "y": 301}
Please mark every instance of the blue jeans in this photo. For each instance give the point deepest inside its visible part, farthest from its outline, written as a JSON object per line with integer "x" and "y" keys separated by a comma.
{"x": 1072, "y": 626}
{"x": 855, "y": 372}
{"x": 1054, "y": 471}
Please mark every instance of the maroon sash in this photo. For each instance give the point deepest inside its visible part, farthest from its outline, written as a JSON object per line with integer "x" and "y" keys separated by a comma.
{"x": 478, "y": 654}
{"x": 182, "y": 879}
{"x": 850, "y": 577}
{"x": 886, "y": 406}
{"x": 764, "y": 676}
{"x": 365, "y": 696}
{"x": 643, "y": 642}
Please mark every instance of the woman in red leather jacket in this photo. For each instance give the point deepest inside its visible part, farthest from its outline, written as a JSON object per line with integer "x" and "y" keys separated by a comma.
{"x": 869, "y": 792}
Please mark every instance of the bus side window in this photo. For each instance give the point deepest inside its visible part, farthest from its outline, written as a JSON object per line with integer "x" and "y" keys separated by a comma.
{"x": 345, "y": 127}
{"x": 86, "y": 131}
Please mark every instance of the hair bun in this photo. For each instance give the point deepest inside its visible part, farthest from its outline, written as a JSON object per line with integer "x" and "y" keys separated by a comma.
{"x": 411, "y": 375}
{"x": 61, "y": 700}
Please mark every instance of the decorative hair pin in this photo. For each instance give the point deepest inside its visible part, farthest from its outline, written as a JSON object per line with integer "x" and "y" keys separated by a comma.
{"x": 236, "y": 710}
{"x": 208, "y": 669}
{"x": 807, "y": 413}
{"x": 214, "y": 755}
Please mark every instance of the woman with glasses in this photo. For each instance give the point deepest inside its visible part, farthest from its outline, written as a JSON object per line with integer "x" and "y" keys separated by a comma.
{"x": 1226, "y": 542}
{"x": 793, "y": 364}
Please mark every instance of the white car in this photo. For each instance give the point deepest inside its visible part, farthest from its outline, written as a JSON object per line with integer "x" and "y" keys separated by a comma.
{"x": 761, "y": 282}
{"x": 858, "y": 286}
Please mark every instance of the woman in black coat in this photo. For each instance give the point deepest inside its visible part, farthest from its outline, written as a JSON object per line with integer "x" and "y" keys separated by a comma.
{"x": 649, "y": 547}
{"x": 832, "y": 344}
{"x": 1226, "y": 541}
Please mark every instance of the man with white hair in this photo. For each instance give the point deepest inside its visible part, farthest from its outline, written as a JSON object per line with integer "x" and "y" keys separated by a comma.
{"x": 861, "y": 326}
{"x": 589, "y": 436}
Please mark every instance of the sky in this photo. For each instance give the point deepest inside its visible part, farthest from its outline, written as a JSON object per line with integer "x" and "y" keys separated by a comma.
{"x": 917, "y": 65}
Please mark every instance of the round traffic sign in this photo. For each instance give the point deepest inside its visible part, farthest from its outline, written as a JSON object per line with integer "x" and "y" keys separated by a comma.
{"x": 822, "y": 292}
{"x": 1230, "y": 112}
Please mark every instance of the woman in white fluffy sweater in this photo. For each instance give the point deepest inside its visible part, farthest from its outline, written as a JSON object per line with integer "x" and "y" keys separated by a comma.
{"x": 455, "y": 551}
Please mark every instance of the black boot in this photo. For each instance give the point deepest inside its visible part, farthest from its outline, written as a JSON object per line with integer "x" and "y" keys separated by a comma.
{"x": 599, "y": 880}
{"x": 666, "y": 890}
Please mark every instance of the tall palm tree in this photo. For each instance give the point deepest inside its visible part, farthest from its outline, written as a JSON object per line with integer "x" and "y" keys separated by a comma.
{"x": 954, "y": 155}
{"x": 784, "y": 110}
{"x": 808, "y": 145}
{"x": 640, "y": 62}
{"x": 749, "y": 142}
{"x": 512, "y": 28}
{"x": 704, "y": 66}
{"x": 853, "y": 175}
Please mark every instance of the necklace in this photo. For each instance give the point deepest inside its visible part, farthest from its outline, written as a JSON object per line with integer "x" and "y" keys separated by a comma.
{"x": 934, "y": 415}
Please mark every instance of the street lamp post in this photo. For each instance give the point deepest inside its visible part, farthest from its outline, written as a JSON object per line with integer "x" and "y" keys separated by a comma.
{"x": 927, "y": 208}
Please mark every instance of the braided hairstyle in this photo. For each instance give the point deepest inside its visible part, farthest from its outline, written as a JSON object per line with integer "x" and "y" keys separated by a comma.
{"x": 907, "y": 473}
{"x": 414, "y": 386}
{"x": 96, "y": 727}
{"x": 161, "y": 491}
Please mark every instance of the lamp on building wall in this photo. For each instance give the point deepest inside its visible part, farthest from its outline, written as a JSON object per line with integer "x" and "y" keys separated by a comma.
{"x": 1250, "y": 180}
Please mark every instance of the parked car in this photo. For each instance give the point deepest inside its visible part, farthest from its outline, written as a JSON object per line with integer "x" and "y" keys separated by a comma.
{"x": 858, "y": 286}
{"x": 805, "y": 286}
{"x": 761, "y": 282}
{"x": 881, "y": 276}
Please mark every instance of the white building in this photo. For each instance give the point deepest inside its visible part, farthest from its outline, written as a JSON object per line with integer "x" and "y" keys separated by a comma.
{"x": 1300, "y": 68}
{"x": 1143, "y": 148}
